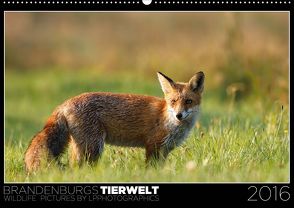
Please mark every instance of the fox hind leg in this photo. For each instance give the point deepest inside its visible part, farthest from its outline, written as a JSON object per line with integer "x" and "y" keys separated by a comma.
{"x": 87, "y": 144}
{"x": 156, "y": 154}
{"x": 75, "y": 152}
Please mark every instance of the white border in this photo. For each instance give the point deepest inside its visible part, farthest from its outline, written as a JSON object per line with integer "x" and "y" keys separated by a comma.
{"x": 155, "y": 182}
{"x": 138, "y": 2}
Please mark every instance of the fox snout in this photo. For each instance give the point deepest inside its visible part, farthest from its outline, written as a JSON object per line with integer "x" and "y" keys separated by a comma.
{"x": 181, "y": 115}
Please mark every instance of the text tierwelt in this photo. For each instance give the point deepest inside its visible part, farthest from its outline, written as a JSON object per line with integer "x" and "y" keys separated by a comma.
{"x": 129, "y": 189}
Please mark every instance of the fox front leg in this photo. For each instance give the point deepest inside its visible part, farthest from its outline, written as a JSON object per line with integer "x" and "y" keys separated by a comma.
{"x": 156, "y": 154}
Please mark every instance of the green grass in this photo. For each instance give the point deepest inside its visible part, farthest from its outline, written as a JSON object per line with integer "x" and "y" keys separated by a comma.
{"x": 244, "y": 142}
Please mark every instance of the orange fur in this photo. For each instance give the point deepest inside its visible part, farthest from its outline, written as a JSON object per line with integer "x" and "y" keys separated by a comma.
{"x": 89, "y": 120}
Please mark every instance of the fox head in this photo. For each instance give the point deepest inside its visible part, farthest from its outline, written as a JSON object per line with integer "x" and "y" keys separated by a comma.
{"x": 183, "y": 99}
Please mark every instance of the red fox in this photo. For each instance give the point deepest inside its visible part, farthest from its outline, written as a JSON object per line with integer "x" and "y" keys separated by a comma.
{"x": 89, "y": 120}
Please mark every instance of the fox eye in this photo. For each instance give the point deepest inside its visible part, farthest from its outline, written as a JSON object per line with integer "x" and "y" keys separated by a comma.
{"x": 173, "y": 101}
{"x": 188, "y": 101}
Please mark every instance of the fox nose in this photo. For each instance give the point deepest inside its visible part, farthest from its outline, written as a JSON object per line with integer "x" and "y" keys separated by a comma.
{"x": 179, "y": 116}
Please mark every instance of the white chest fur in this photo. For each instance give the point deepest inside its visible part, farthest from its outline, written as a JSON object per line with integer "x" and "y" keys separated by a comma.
{"x": 179, "y": 131}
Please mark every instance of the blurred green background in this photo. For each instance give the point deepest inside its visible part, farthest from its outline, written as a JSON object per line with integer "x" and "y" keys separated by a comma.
{"x": 246, "y": 48}
{"x": 242, "y": 134}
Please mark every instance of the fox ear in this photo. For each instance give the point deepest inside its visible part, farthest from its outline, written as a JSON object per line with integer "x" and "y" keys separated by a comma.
{"x": 196, "y": 83}
{"x": 167, "y": 84}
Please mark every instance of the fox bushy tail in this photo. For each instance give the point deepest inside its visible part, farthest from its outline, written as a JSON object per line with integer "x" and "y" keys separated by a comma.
{"x": 49, "y": 143}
